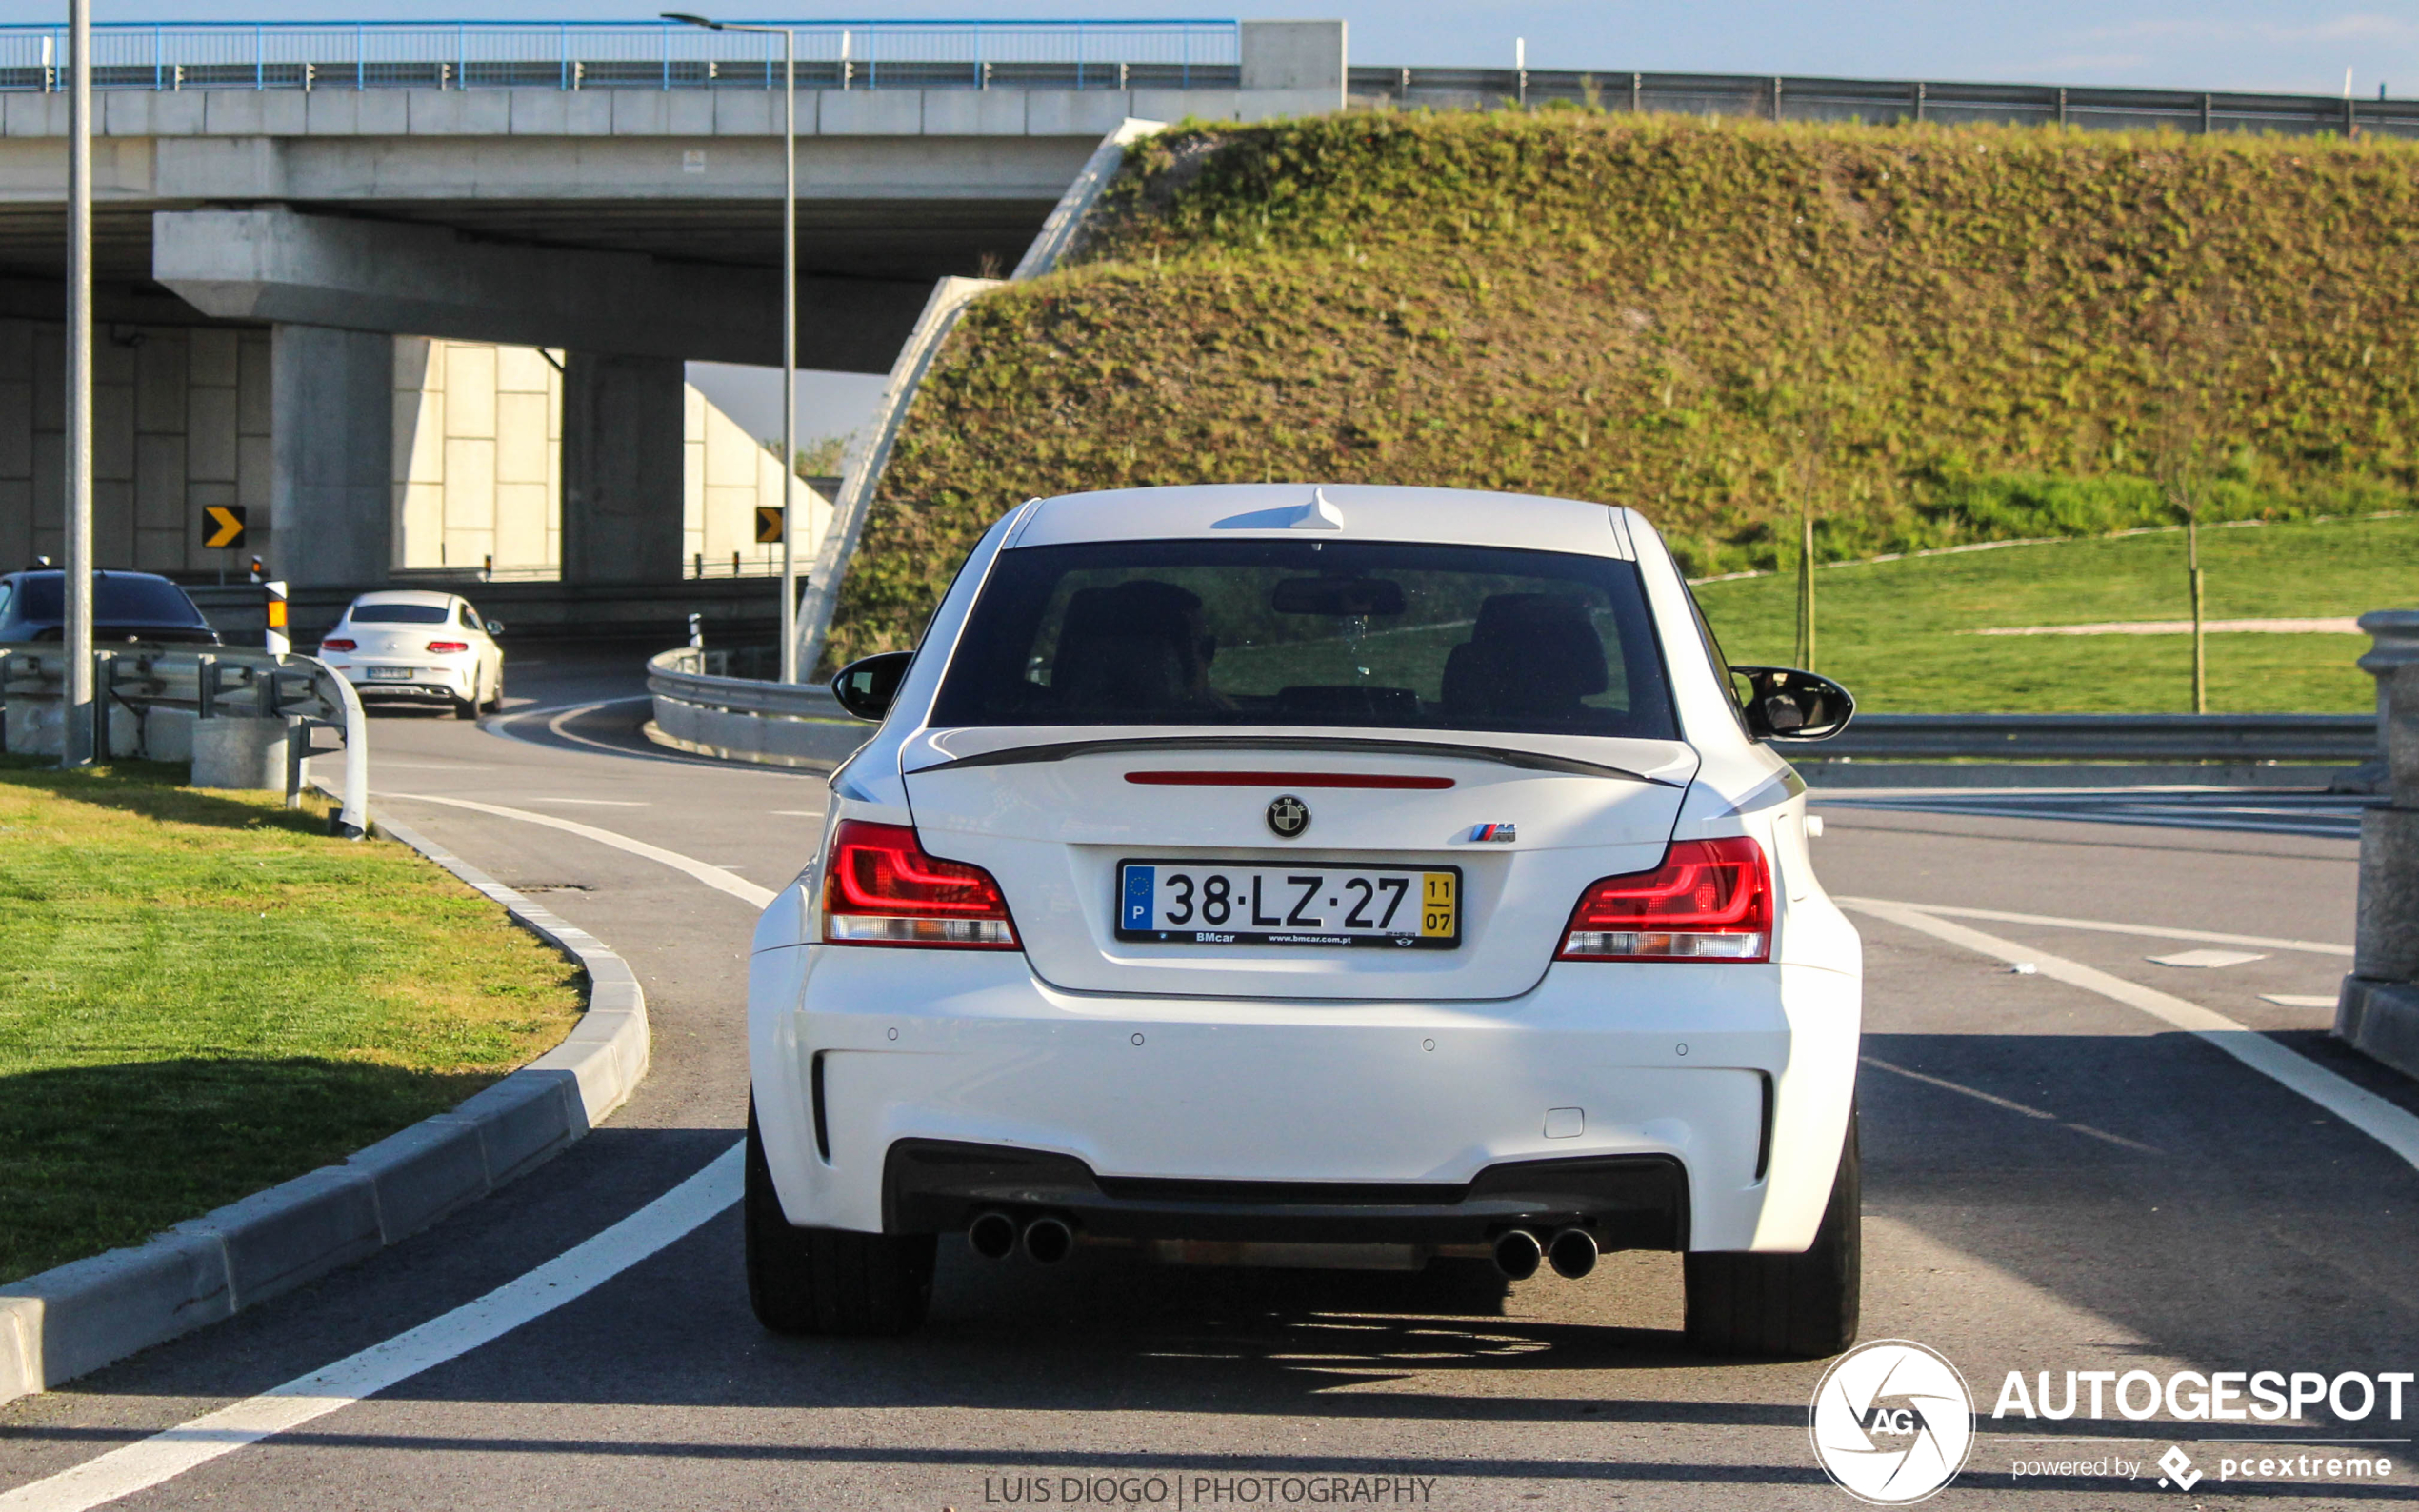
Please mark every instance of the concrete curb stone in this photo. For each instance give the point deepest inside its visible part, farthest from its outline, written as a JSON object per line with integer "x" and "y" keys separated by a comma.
{"x": 89, "y": 1313}
{"x": 2381, "y": 1020}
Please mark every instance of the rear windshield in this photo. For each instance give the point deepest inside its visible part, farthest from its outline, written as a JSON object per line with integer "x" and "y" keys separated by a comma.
{"x": 1292, "y": 633}
{"x": 398, "y": 614}
{"x": 115, "y": 599}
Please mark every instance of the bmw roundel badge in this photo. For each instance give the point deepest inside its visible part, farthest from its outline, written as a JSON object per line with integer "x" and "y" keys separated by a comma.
{"x": 1289, "y": 816}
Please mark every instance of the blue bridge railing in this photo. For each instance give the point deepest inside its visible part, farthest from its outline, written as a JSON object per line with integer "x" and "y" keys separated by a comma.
{"x": 649, "y": 55}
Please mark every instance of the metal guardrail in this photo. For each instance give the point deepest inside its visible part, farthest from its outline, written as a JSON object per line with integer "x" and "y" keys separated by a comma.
{"x": 1181, "y": 54}
{"x": 740, "y": 716}
{"x": 2099, "y": 737}
{"x": 741, "y": 719}
{"x": 1784, "y": 98}
{"x": 148, "y": 700}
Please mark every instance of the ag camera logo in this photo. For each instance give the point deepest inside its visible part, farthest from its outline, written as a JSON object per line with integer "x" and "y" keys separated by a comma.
{"x": 1892, "y": 1423}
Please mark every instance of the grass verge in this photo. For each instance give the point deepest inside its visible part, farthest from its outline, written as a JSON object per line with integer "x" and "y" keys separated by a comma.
{"x": 201, "y": 995}
{"x": 1899, "y": 633}
{"x": 1928, "y": 335}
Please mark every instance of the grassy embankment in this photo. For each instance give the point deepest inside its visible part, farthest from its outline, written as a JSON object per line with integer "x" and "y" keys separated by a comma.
{"x": 201, "y": 995}
{"x": 1930, "y": 335}
{"x": 1900, "y": 633}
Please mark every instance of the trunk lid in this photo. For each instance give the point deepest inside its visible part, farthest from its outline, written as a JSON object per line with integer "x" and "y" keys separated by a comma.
{"x": 1052, "y": 819}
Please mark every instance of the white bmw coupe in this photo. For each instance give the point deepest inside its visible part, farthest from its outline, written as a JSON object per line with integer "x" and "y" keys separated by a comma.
{"x": 1346, "y": 876}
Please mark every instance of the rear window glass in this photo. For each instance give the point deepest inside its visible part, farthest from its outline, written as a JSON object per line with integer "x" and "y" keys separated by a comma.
{"x": 115, "y": 599}
{"x": 1298, "y": 633}
{"x": 397, "y": 614}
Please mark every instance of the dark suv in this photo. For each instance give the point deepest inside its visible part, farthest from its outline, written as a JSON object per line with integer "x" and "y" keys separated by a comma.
{"x": 139, "y": 607}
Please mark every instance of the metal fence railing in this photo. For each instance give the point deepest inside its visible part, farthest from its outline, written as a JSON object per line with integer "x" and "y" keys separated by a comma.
{"x": 700, "y": 709}
{"x": 1880, "y": 100}
{"x": 647, "y": 55}
{"x": 157, "y": 703}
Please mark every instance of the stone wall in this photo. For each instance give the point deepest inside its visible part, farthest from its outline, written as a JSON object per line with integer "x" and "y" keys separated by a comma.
{"x": 180, "y": 421}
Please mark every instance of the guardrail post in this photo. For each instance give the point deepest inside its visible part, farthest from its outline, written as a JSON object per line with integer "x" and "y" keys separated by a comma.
{"x": 2378, "y": 1011}
{"x": 104, "y": 687}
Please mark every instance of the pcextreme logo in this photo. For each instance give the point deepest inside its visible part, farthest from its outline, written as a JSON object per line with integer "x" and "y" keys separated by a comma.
{"x": 1892, "y": 1423}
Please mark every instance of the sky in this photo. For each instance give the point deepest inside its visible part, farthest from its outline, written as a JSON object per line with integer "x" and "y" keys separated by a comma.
{"x": 2291, "y": 47}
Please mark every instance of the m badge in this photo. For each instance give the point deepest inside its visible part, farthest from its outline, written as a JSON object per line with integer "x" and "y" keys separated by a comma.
{"x": 1289, "y": 816}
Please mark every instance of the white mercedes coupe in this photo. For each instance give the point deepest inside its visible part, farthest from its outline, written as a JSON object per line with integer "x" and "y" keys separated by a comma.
{"x": 1346, "y": 876}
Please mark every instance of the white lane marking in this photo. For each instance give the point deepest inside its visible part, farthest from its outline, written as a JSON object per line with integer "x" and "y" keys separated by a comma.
{"x": 2298, "y": 999}
{"x": 798, "y": 813}
{"x": 572, "y": 1274}
{"x": 2364, "y": 1110}
{"x": 598, "y": 803}
{"x": 714, "y": 877}
{"x": 2204, "y": 960}
{"x": 389, "y": 763}
{"x": 2318, "y": 948}
{"x": 2010, "y": 1106}
{"x": 561, "y": 709}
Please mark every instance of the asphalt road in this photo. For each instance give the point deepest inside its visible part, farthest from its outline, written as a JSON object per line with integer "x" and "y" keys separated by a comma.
{"x": 2055, "y": 1179}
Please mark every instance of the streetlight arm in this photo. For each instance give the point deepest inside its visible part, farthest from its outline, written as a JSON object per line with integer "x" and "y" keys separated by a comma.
{"x": 790, "y": 667}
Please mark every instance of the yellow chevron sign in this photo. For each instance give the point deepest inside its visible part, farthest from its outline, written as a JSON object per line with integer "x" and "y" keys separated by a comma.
{"x": 222, "y": 525}
{"x": 768, "y": 523}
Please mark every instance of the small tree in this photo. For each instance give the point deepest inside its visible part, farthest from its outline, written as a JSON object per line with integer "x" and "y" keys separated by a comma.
{"x": 2193, "y": 349}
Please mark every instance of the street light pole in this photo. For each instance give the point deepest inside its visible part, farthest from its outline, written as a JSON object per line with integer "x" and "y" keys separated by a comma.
{"x": 790, "y": 668}
{"x": 75, "y": 711}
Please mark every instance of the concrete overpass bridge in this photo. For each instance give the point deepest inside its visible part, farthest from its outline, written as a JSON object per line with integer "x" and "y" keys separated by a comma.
{"x": 274, "y": 206}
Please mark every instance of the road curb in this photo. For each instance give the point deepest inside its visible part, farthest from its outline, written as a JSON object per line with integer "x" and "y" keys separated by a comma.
{"x": 2381, "y": 1020}
{"x": 88, "y": 1313}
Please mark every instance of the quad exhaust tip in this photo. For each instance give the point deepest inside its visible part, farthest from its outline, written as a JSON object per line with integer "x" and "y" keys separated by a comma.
{"x": 1048, "y": 1240}
{"x": 1517, "y": 1254}
{"x": 992, "y": 1234}
{"x": 1573, "y": 1253}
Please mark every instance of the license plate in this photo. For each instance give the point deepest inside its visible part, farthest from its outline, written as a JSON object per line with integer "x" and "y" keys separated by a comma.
{"x": 384, "y": 672}
{"x": 1214, "y": 902}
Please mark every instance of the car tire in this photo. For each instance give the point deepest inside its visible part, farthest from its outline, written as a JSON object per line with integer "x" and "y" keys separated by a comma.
{"x": 1787, "y": 1307}
{"x": 465, "y": 707}
{"x": 828, "y": 1281}
{"x": 495, "y": 695}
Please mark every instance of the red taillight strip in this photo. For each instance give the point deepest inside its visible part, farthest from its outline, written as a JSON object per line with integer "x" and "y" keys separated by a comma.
{"x": 1286, "y": 780}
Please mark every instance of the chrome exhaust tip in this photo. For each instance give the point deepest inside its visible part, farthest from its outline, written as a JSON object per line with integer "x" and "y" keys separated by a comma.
{"x": 992, "y": 1234}
{"x": 1048, "y": 1240}
{"x": 1517, "y": 1254}
{"x": 1573, "y": 1253}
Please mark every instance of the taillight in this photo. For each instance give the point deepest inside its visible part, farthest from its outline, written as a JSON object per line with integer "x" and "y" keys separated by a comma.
{"x": 1710, "y": 900}
{"x": 448, "y": 647}
{"x": 335, "y": 645}
{"x": 882, "y": 889}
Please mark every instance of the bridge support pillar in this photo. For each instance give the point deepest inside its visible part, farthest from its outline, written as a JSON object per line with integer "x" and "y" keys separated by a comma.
{"x": 622, "y": 474}
{"x": 332, "y": 457}
{"x": 2378, "y": 1011}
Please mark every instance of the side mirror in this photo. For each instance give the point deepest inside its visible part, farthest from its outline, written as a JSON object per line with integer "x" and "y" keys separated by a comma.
{"x": 1787, "y": 704}
{"x": 865, "y": 687}
{"x": 495, "y": 627}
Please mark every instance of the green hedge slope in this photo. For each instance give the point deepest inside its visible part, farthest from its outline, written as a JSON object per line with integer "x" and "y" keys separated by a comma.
{"x": 1924, "y": 334}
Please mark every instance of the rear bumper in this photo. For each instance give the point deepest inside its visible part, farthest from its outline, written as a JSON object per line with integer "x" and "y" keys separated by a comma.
{"x": 1696, "y": 1105}
{"x": 426, "y": 682}
{"x": 1627, "y": 1202}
